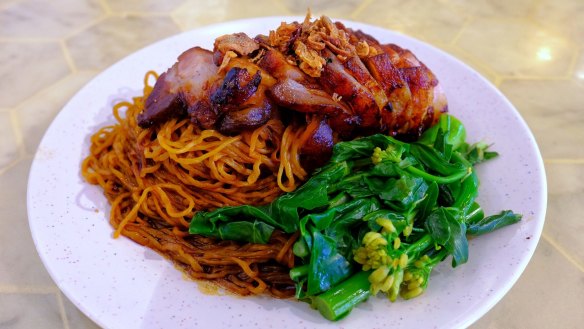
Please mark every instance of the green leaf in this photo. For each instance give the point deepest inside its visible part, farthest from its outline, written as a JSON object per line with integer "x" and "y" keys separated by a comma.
{"x": 363, "y": 147}
{"x": 466, "y": 192}
{"x": 342, "y": 228}
{"x": 353, "y": 185}
{"x": 401, "y": 194}
{"x": 311, "y": 195}
{"x": 255, "y": 232}
{"x": 327, "y": 266}
{"x": 449, "y": 232}
{"x": 429, "y": 202}
{"x": 283, "y": 213}
{"x": 453, "y": 130}
{"x": 386, "y": 169}
{"x": 494, "y": 222}
{"x": 446, "y": 136}
{"x": 445, "y": 195}
{"x": 205, "y": 222}
{"x": 435, "y": 160}
{"x": 337, "y": 223}
{"x": 478, "y": 153}
{"x": 358, "y": 148}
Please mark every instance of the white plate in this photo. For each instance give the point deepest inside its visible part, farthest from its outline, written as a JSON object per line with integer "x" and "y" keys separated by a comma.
{"x": 120, "y": 284}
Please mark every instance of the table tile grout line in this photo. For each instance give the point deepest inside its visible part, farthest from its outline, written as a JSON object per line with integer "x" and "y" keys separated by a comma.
{"x": 10, "y": 165}
{"x": 44, "y": 90}
{"x": 563, "y": 252}
{"x": 133, "y": 13}
{"x": 574, "y": 61}
{"x": 15, "y": 123}
{"x": 568, "y": 39}
{"x": 29, "y": 39}
{"x": 479, "y": 63}
{"x": 64, "y": 37}
{"x": 105, "y": 6}
{"x": 364, "y": 4}
{"x": 176, "y": 22}
{"x": 467, "y": 21}
{"x": 563, "y": 161}
{"x": 527, "y": 77}
{"x": 73, "y": 32}
{"x": 68, "y": 58}
{"x": 173, "y": 13}
{"x": 27, "y": 289}
{"x": 61, "y": 303}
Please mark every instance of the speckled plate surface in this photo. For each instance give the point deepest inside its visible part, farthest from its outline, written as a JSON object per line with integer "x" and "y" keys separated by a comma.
{"x": 120, "y": 284}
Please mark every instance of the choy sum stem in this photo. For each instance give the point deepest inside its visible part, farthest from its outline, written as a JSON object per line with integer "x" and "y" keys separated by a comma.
{"x": 439, "y": 179}
{"x": 299, "y": 272}
{"x": 338, "y": 301}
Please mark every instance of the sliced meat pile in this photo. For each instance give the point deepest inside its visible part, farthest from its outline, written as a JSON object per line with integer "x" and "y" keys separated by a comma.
{"x": 345, "y": 80}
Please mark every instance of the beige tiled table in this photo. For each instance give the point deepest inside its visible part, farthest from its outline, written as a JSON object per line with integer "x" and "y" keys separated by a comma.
{"x": 531, "y": 49}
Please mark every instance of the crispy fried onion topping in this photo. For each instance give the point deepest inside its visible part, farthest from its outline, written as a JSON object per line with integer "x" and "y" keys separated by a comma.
{"x": 308, "y": 40}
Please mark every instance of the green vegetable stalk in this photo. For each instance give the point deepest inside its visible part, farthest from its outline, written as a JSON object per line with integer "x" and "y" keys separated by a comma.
{"x": 338, "y": 302}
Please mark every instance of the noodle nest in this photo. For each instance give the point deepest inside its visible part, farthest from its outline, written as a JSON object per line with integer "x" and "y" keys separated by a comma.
{"x": 156, "y": 179}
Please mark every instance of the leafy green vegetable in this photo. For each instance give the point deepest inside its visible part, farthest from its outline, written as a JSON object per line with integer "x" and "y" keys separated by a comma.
{"x": 429, "y": 201}
{"x": 436, "y": 161}
{"x": 491, "y": 223}
{"x": 376, "y": 219}
{"x": 220, "y": 224}
{"x": 446, "y": 136}
{"x": 450, "y": 232}
{"x": 327, "y": 267}
{"x": 282, "y": 213}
